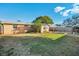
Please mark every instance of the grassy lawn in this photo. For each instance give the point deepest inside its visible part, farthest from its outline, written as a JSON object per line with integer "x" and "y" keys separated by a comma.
{"x": 41, "y": 44}
{"x": 52, "y": 36}
{"x": 28, "y": 45}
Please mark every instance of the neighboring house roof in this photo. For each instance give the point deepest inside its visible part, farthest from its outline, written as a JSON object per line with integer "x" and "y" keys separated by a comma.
{"x": 53, "y": 25}
{"x": 77, "y": 25}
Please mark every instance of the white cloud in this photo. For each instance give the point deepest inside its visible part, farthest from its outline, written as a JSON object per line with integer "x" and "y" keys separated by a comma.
{"x": 76, "y": 4}
{"x": 58, "y": 9}
{"x": 66, "y": 12}
{"x": 73, "y": 10}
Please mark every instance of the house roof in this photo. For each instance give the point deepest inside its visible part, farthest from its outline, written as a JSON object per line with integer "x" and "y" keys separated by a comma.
{"x": 20, "y": 23}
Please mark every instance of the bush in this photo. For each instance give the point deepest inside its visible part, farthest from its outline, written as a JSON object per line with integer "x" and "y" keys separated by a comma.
{"x": 36, "y": 28}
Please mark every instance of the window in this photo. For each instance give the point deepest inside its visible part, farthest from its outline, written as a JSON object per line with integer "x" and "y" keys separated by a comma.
{"x": 15, "y": 26}
{"x": 1, "y": 27}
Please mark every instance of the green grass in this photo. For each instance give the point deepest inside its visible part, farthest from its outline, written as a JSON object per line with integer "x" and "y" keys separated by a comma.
{"x": 52, "y": 35}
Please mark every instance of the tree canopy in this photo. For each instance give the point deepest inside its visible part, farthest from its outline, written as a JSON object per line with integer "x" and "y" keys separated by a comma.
{"x": 39, "y": 21}
{"x": 72, "y": 20}
{"x": 43, "y": 20}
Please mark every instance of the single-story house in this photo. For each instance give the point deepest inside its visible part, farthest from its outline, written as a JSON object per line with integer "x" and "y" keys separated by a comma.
{"x": 14, "y": 28}
{"x": 60, "y": 29}
{"x": 19, "y": 27}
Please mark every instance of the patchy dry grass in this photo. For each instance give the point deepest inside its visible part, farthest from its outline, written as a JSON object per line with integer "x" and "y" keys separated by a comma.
{"x": 30, "y": 45}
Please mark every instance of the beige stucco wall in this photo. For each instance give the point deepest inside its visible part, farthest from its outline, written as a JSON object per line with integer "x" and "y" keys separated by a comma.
{"x": 8, "y": 29}
{"x": 20, "y": 29}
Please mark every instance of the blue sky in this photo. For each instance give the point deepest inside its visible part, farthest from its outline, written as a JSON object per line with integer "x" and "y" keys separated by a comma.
{"x": 27, "y": 12}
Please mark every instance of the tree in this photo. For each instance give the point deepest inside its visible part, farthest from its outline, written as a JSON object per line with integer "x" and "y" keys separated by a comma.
{"x": 43, "y": 20}
{"x": 72, "y": 20}
{"x": 39, "y": 21}
{"x": 75, "y": 19}
{"x": 37, "y": 25}
{"x": 68, "y": 21}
